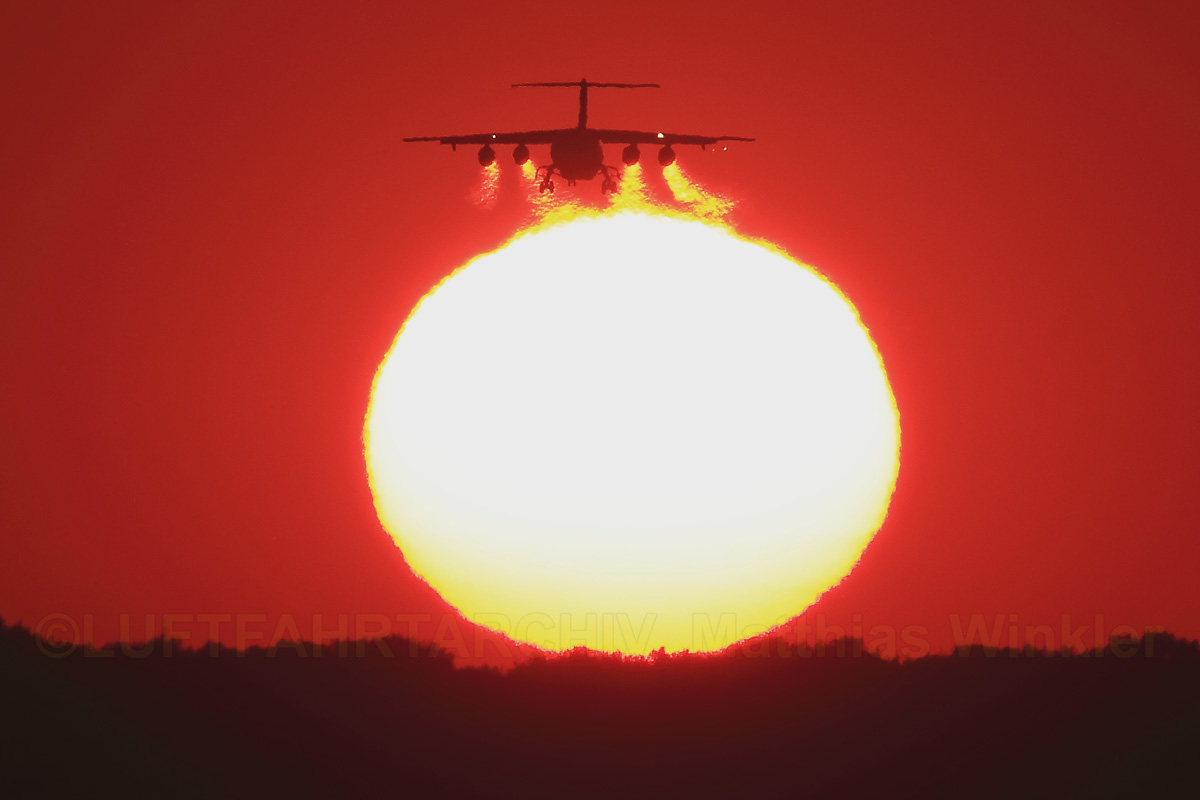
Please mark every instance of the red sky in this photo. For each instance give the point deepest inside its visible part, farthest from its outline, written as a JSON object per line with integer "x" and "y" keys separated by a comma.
{"x": 210, "y": 233}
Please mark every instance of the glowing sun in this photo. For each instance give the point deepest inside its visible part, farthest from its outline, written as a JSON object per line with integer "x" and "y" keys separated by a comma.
{"x": 632, "y": 430}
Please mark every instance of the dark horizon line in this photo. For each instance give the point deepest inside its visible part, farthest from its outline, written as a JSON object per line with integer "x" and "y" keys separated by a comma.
{"x": 1150, "y": 645}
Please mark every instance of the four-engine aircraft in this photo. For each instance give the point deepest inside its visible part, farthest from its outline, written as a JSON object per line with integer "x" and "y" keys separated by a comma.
{"x": 578, "y": 153}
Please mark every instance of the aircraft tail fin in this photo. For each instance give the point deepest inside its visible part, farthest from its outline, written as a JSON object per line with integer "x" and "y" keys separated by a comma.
{"x": 584, "y": 85}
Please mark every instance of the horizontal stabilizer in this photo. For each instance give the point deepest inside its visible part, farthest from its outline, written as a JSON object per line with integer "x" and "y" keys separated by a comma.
{"x": 583, "y": 90}
{"x": 589, "y": 84}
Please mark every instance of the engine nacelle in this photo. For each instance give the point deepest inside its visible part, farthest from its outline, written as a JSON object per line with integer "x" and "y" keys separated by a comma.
{"x": 631, "y": 155}
{"x": 520, "y": 154}
{"x": 486, "y": 155}
{"x": 666, "y": 156}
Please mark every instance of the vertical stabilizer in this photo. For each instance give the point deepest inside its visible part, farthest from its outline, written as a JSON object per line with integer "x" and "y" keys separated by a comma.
{"x": 583, "y": 92}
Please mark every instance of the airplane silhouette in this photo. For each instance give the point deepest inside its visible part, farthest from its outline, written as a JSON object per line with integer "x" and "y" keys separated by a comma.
{"x": 578, "y": 153}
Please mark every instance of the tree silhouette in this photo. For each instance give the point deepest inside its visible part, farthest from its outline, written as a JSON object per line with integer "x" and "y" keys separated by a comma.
{"x": 380, "y": 718}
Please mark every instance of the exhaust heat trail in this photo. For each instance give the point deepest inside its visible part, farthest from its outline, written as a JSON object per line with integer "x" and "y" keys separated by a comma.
{"x": 488, "y": 191}
{"x": 699, "y": 202}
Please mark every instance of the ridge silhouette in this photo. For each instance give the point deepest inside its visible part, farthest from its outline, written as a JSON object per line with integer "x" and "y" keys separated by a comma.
{"x": 383, "y": 717}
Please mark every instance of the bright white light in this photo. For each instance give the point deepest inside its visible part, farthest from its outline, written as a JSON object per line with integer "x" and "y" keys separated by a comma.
{"x": 632, "y": 432}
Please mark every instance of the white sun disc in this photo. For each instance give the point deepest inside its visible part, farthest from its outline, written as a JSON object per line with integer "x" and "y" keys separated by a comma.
{"x": 632, "y": 431}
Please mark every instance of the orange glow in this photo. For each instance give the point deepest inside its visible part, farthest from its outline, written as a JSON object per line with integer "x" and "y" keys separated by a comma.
{"x": 489, "y": 186}
{"x": 696, "y": 199}
{"x": 540, "y": 201}
{"x": 547, "y": 206}
{"x": 631, "y": 428}
{"x": 528, "y": 172}
{"x": 631, "y": 192}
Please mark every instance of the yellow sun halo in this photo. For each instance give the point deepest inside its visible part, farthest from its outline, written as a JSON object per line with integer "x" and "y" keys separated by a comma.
{"x": 632, "y": 430}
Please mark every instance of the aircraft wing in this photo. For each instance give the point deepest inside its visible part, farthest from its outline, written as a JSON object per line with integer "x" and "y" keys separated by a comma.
{"x": 661, "y": 137}
{"x": 520, "y": 137}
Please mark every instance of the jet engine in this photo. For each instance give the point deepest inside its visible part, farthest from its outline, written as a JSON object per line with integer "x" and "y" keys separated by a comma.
{"x": 630, "y": 155}
{"x": 520, "y": 154}
{"x": 666, "y": 156}
{"x": 486, "y": 155}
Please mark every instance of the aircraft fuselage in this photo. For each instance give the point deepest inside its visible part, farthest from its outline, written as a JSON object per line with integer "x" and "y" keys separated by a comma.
{"x": 578, "y": 156}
